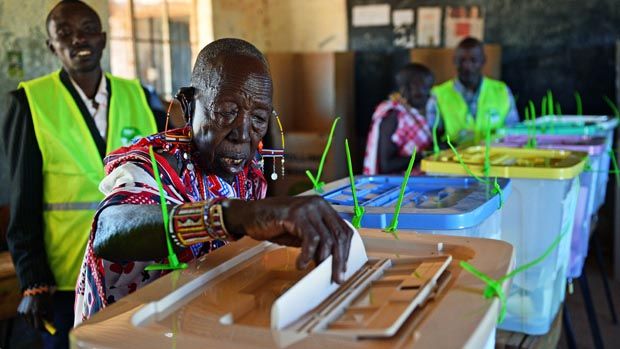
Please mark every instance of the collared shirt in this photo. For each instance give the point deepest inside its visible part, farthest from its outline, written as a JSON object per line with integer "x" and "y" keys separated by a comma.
{"x": 98, "y": 106}
{"x": 471, "y": 99}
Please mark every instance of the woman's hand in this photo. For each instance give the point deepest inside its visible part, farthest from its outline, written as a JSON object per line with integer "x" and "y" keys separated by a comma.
{"x": 305, "y": 221}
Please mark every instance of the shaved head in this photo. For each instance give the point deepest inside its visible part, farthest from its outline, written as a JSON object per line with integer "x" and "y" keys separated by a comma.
{"x": 207, "y": 60}
{"x": 62, "y": 3}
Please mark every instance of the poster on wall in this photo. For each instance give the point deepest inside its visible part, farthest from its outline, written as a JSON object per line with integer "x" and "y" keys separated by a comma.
{"x": 461, "y": 22}
{"x": 404, "y": 29}
{"x": 429, "y": 26}
{"x": 370, "y": 15}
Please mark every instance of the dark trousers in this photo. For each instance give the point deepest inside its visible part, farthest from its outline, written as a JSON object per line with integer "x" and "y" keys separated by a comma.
{"x": 63, "y": 321}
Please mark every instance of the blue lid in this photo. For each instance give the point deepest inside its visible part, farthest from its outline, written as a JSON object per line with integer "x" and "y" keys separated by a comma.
{"x": 430, "y": 202}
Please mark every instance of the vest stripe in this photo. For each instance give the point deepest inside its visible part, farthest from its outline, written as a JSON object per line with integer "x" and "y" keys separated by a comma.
{"x": 71, "y": 206}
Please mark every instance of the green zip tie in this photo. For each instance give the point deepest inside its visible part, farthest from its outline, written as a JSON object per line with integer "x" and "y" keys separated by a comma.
{"x": 550, "y": 102}
{"x": 614, "y": 163}
{"x": 612, "y": 105}
{"x": 173, "y": 261}
{"x": 534, "y": 143}
{"x": 578, "y": 103}
{"x": 487, "y": 148}
{"x": 588, "y": 166}
{"x": 496, "y": 188}
{"x": 529, "y": 128}
{"x": 494, "y": 287}
{"x": 543, "y": 106}
{"x": 316, "y": 183}
{"x": 532, "y": 110}
{"x": 358, "y": 211}
{"x": 392, "y": 228}
{"x": 558, "y": 109}
{"x": 435, "y": 126}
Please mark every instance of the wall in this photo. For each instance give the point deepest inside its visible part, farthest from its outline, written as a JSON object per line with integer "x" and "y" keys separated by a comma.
{"x": 562, "y": 45}
{"x": 283, "y": 25}
{"x": 22, "y": 29}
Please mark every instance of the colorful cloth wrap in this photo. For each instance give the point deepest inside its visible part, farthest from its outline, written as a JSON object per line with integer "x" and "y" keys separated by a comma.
{"x": 129, "y": 180}
{"x": 412, "y": 132}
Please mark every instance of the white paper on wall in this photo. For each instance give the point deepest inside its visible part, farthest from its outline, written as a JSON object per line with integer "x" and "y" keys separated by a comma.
{"x": 461, "y": 22}
{"x": 429, "y": 26}
{"x": 404, "y": 29}
{"x": 370, "y": 15}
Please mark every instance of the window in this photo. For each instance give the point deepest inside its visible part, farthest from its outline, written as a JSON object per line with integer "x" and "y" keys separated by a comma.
{"x": 153, "y": 40}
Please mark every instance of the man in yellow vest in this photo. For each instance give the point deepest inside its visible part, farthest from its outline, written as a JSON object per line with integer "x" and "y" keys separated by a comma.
{"x": 55, "y": 133}
{"x": 472, "y": 103}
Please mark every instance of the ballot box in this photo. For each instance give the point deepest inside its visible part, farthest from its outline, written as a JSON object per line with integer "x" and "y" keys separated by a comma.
{"x": 588, "y": 180}
{"x": 410, "y": 292}
{"x": 575, "y": 125}
{"x": 537, "y": 220}
{"x": 459, "y": 206}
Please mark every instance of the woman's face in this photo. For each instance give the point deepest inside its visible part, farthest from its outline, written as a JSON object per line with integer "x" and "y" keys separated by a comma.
{"x": 232, "y": 113}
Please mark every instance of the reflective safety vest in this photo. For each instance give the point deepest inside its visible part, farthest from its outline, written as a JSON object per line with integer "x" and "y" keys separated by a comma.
{"x": 493, "y": 106}
{"x": 72, "y": 165}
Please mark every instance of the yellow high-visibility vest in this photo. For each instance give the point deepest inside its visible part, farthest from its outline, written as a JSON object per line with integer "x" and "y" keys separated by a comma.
{"x": 493, "y": 107}
{"x": 72, "y": 165}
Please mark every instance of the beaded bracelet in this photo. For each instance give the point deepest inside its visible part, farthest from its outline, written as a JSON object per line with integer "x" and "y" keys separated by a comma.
{"x": 33, "y": 291}
{"x": 197, "y": 222}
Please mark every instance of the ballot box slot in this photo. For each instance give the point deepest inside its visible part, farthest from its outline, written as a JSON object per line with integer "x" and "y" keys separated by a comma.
{"x": 379, "y": 298}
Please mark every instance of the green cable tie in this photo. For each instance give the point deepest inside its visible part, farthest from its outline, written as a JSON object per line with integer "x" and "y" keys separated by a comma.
{"x": 529, "y": 128}
{"x": 558, "y": 109}
{"x": 543, "y": 106}
{"x": 494, "y": 286}
{"x": 614, "y": 163}
{"x": 487, "y": 148}
{"x": 358, "y": 211}
{"x": 612, "y": 105}
{"x": 496, "y": 187}
{"x": 392, "y": 228}
{"x": 533, "y": 122}
{"x": 316, "y": 183}
{"x": 550, "y": 102}
{"x": 173, "y": 260}
{"x": 435, "y": 126}
{"x": 578, "y": 103}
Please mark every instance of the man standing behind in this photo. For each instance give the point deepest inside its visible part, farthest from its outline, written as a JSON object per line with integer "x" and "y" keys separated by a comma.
{"x": 56, "y": 131}
{"x": 472, "y": 103}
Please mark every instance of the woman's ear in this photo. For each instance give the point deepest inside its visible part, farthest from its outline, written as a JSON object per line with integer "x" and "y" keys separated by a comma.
{"x": 185, "y": 96}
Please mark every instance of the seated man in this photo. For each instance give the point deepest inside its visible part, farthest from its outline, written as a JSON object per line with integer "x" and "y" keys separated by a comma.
{"x": 398, "y": 124}
{"x": 471, "y": 103}
{"x": 213, "y": 186}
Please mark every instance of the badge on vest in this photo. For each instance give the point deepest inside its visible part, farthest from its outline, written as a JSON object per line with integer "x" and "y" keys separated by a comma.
{"x": 494, "y": 116}
{"x": 129, "y": 135}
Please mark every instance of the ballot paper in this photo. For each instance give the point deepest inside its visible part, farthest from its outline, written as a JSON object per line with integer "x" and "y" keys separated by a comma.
{"x": 316, "y": 286}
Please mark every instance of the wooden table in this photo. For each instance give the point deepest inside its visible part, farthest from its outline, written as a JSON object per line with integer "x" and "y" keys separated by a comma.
{"x": 9, "y": 287}
{"x": 516, "y": 340}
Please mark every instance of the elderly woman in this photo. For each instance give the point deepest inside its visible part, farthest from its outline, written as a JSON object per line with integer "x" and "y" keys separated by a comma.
{"x": 213, "y": 185}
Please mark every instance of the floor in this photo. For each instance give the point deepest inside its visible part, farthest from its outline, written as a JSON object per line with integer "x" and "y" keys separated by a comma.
{"x": 609, "y": 332}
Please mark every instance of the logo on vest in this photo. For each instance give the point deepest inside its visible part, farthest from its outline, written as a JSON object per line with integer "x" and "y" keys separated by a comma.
{"x": 494, "y": 116}
{"x": 129, "y": 135}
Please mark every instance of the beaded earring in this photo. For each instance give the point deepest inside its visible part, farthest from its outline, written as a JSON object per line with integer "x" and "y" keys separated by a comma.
{"x": 185, "y": 97}
{"x": 274, "y": 153}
